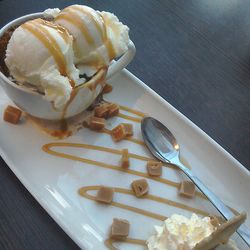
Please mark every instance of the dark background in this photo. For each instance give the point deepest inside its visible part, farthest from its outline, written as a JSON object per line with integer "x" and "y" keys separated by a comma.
{"x": 196, "y": 54}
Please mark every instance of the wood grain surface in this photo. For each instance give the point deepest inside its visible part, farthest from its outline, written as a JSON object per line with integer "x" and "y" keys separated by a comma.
{"x": 195, "y": 54}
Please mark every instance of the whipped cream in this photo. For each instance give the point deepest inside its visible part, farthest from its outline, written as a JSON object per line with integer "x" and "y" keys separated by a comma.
{"x": 181, "y": 233}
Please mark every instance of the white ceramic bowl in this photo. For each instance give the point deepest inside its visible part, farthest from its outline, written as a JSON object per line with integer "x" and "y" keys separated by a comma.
{"x": 36, "y": 105}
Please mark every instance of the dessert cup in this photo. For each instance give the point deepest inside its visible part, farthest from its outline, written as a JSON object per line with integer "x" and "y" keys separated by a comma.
{"x": 33, "y": 103}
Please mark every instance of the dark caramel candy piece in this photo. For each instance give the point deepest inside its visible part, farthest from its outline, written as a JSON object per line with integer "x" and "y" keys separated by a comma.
{"x": 105, "y": 195}
{"x": 154, "y": 168}
{"x": 101, "y": 111}
{"x": 128, "y": 128}
{"x": 119, "y": 229}
{"x": 96, "y": 123}
{"x": 187, "y": 189}
{"x": 122, "y": 131}
{"x": 140, "y": 187}
{"x": 12, "y": 114}
{"x": 113, "y": 110}
{"x": 125, "y": 159}
{"x": 107, "y": 88}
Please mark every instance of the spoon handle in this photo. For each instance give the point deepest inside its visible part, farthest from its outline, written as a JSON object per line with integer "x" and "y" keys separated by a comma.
{"x": 243, "y": 230}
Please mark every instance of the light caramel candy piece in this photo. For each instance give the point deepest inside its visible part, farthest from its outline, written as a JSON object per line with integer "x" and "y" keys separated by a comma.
{"x": 107, "y": 88}
{"x": 140, "y": 187}
{"x": 101, "y": 111}
{"x": 105, "y": 195}
{"x": 125, "y": 158}
{"x": 222, "y": 233}
{"x": 113, "y": 110}
{"x": 214, "y": 221}
{"x": 154, "y": 168}
{"x": 122, "y": 131}
{"x": 96, "y": 123}
{"x": 12, "y": 114}
{"x": 187, "y": 189}
{"x": 128, "y": 129}
{"x": 118, "y": 133}
{"x": 119, "y": 229}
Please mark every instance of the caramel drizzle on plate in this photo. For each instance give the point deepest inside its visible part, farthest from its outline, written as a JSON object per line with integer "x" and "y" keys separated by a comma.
{"x": 84, "y": 192}
{"x": 48, "y": 148}
{"x": 132, "y": 111}
{"x": 109, "y": 242}
{"x": 36, "y": 27}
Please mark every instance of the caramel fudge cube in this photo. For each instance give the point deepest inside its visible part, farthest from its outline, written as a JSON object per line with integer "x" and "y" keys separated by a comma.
{"x": 96, "y": 123}
{"x": 118, "y": 133}
{"x": 101, "y": 111}
{"x": 154, "y": 168}
{"x": 113, "y": 110}
{"x": 187, "y": 189}
{"x": 105, "y": 195}
{"x": 125, "y": 158}
{"x": 128, "y": 128}
{"x": 12, "y": 114}
{"x": 140, "y": 187}
{"x": 119, "y": 229}
{"x": 122, "y": 131}
{"x": 107, "y": 88}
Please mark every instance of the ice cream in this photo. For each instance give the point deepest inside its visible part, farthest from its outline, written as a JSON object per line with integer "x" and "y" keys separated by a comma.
{"x": 98, "y": 36}
{"x": 48, "y": 54}
{"x": 40, "y": 53}
{"x": 181, "y": 233}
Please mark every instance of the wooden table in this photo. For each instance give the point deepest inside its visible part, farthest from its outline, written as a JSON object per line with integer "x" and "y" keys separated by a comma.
{"x": 196, "y": 54}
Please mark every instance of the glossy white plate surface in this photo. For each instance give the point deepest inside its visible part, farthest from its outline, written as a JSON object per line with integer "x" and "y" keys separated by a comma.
{"x": 54, "y": 181}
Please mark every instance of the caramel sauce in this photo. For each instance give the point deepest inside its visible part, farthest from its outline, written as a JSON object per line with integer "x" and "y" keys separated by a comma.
{"x": 76, "y": 20}
{"x": 48, "y": 149}
{"x": 72, "y": 17}
{"x": 108, "y": 44}
{"x": 90, "y": 17}
{"x": 110, "y": 49}
{"x": 60, "y": 29}
{"x": 131, "y": 118}
{"x": 98, "y": 80}
{"x": 36, "y": 28}
{"x": 84, "y": 192}
{"x": 132, "y": 111}
{"x": 109, "y": 242}
{"x": 64, "y": 126}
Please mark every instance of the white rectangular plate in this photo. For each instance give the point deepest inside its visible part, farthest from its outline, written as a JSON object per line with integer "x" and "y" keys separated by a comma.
{"x": 55, "y": 181}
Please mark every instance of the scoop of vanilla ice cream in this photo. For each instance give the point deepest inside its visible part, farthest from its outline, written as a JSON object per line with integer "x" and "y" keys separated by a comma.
{"x": 117, "y": 32}
{"x": 30, "y": 61}
{"x": 99, "y": 37}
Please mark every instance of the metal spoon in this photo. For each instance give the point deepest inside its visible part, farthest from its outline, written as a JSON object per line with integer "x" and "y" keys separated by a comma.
{"x": 164, "y": 146}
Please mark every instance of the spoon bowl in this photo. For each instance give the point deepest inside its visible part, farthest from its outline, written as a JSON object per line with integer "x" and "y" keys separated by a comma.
{"x": 160, "y": 140}
{"x": 163, "y": 145}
